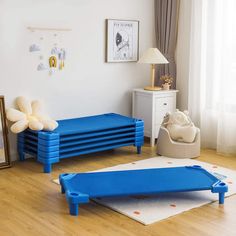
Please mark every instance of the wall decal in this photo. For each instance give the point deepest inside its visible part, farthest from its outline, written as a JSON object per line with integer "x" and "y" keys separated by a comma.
{"x": 55, "y": 50}
{"x": 34, "y": 48}
{"x": 41, "y": 67}
{"x": 51, "y": 59}
{"x": 62, "y": 57}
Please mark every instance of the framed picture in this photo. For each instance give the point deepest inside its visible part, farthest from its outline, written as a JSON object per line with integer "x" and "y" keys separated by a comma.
{"x": 4, "y": 146}
{"x": 122, "y": 40}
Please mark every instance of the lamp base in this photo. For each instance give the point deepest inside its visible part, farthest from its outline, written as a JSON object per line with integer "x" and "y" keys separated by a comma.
{"x": 152, "y": 88}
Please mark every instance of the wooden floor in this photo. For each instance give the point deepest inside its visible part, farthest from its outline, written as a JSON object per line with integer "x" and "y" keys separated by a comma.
{"x": 30, "y": 204}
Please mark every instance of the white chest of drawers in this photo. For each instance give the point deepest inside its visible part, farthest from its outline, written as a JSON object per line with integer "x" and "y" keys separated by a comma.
{"x": 151, "y": 106}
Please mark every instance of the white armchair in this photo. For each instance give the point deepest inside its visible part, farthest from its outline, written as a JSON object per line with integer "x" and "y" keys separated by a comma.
{"x": 170, "y": 148}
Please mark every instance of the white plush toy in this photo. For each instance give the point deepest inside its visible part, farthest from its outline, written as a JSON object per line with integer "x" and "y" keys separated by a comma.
{"x": 30, "y": 115}
{"x": 180, "y": 126}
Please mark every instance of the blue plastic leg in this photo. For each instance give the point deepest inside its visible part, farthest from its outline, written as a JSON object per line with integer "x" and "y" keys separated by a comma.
{"x": 221, "y": 198}
{"x": 139, "y": 149}
{"x": 62, "y": 189}
{"x": 74, "y": 209}
{"x": 47, "y": 168}
{"x": 21, "y": 156}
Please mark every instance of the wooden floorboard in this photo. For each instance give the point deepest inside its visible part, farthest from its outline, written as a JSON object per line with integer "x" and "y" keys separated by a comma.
{"x": 31, "y": 204}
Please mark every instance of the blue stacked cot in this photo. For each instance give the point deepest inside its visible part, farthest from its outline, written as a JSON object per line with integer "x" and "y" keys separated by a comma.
{"x": 79, "y": 136}
{"x": 81, "y": 187}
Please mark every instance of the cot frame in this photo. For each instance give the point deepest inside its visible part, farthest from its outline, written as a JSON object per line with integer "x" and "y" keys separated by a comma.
{"x": 79, "y": 189}
{"x": 92, "y": 134}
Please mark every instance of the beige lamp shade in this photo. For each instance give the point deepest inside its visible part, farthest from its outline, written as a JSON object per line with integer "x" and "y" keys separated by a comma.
{"x": 153, "y": 56}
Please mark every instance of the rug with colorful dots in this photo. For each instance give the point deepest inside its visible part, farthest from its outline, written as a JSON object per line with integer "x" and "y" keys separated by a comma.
{"x": 148, "y": 209}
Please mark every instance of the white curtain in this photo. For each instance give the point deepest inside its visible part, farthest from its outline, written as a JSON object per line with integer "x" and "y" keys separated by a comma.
{"x": 212, "y": 77}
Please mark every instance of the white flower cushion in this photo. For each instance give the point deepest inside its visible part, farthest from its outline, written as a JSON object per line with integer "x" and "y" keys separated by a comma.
{"x": 29, "y": 115}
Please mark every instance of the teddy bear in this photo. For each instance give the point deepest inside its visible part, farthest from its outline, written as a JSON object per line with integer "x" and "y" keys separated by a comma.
{"x": 180, "y": 126}
{"x": 30, "y": 115}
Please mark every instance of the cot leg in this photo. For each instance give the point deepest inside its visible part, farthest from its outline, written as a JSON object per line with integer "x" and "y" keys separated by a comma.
{"x": 74, "y": 209}
{"x": 139, "y": 149}
{"x": 47, "y": 168}
{"x": 21, "y": 156}
{"x": 62, "y": 189}
{"x": 221, "y": 198}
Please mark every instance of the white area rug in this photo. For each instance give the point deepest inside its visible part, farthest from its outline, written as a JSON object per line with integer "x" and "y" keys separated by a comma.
{"x": 150, "y": 209}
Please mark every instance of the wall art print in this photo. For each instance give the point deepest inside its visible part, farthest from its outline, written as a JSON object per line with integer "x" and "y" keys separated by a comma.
{"x": 4, "y": 144}
{"x": 122, "y": 43}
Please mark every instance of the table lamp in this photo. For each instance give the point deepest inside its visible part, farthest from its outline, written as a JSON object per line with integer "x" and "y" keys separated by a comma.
{"x": 153, "y": 56}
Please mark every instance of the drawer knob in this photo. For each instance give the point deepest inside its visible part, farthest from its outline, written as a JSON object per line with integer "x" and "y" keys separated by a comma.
{"x": 165, "y": 104}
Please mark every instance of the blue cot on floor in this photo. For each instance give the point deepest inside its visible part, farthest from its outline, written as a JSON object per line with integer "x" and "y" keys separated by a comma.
{"x": 80, "y": 187}
{"x": 79, "y": 136}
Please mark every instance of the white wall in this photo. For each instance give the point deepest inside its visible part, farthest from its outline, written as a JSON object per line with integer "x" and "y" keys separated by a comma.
{"x": 88, "y": 85}
{"x": 182, "y": 53}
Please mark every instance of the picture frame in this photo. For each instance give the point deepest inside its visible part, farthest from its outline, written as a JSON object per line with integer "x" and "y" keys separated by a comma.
{"x": 4, "y": 144}
{"x": 122, "y": 40}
